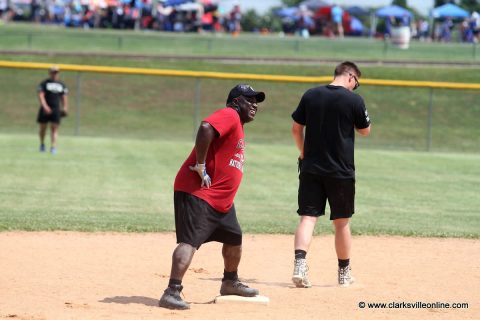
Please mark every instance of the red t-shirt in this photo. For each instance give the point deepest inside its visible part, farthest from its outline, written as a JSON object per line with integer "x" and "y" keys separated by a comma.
{"x": 224, "y": 163}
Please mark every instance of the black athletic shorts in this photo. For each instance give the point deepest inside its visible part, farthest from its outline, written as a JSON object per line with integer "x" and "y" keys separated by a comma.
{"x": 196, "y": 222}
{"x": 315, "y": 190}
{"x": 53, "y": 117}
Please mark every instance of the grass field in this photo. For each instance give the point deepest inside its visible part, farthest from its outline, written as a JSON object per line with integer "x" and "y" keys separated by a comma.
{"x": 21, "y": 37}
{"x": 136, "y": 130}
{"x": 102, "y": 184}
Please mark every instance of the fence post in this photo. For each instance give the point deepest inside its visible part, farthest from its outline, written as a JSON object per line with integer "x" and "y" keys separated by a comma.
{"x": 386, "y": 38}
{"x": 297, "y": 45}
{"x": 77, "y": 103}
{"x": 196, "y": 107}
{"x": 429, "y": 121}
{"x": 210, "y": 45}
{"x": 120, "y": 43}
{"x": 29, "y": 40}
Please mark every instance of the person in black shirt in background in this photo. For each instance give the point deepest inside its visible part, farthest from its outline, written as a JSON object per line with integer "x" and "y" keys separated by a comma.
{"x": 52, "y": 94}
{"x": 330, "y": 115}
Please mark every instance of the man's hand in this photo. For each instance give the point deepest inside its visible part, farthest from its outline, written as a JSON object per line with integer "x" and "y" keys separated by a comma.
{"x": 202, "y": 172}
{"x": 47, "y": 109}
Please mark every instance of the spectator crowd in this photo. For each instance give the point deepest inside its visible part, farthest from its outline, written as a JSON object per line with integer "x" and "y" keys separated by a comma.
{"x": 180, "y": 16}
{"x": 209, "y": 16}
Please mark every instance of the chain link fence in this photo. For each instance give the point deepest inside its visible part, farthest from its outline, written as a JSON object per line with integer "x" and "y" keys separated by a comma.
{"x": 166, "y": 107}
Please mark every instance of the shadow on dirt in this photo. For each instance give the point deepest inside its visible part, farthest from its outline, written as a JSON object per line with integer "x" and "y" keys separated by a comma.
{"x": 133, "y": 299}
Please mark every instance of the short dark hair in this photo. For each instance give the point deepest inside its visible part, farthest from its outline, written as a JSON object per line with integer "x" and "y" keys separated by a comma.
{"x": 347, "y": 66}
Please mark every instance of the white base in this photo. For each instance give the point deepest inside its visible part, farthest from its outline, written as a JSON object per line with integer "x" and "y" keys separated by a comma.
{"x": 238, "y": 299}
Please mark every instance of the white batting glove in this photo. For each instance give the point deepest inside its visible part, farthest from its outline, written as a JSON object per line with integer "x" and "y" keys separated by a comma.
{"x": 202, "y": 172}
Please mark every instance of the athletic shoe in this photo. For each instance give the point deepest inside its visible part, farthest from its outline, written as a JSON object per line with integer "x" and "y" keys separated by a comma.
{"x": 171, "y": 298}
{"x": 42, "y": 148}
{"x": 300, "y": 274}
{"x": 236, "y": 288}
{"x": 345, "y": 276}
{"x": 53, "y": 150}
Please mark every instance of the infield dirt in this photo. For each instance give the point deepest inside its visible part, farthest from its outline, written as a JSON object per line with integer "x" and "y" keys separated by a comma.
{"x": 70, "y": 275}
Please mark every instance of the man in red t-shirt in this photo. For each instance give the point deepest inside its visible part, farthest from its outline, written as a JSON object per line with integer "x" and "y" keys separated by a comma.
{"x": 204, "y": 190}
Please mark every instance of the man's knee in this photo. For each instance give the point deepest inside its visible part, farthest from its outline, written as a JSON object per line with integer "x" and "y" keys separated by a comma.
{"x": 308, "y": 220}
{"x": 183, "y": 254}
{"x": 341, "y": 223}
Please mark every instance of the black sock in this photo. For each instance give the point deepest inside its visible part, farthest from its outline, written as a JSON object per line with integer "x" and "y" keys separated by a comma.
{"x": 343, "y": 263}
{"x": 300, "y": 254}
{"x": 230, "y": 275}
{"x": 174, "y": 282}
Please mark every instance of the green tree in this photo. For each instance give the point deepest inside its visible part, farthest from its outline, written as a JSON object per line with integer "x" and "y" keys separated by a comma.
{"x": 400, "y": 3}
{"x": 442, "y": 2}
{"x": 470, "y": 5}
{"x": 291, "y": 3}
{"x": 250, "y": 20}
{"x": 253, "y": 22}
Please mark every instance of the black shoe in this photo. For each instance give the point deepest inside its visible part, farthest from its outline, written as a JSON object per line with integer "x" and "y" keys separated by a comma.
{"x": 171, "y": 299}
{"x": 236, "y": 288}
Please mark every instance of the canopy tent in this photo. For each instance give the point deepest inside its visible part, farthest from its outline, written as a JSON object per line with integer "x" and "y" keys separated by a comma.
{"x": 173, "y": 3}
{"x": 358, "y": 11}
{"x": 314, "y": 4}
{"x": 449, "y": 10}
{"x": 189, "y": 6}
{"x": 291, "y": 12}
{"x": 393, "y": 11}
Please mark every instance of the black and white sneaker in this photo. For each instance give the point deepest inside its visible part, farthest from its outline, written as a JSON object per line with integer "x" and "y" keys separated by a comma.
{"x": 300, "y": 274}
{"x": 345, "y": 278}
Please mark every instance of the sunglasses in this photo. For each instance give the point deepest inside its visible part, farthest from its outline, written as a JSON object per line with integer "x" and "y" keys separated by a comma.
{"x": 357, "y": 84}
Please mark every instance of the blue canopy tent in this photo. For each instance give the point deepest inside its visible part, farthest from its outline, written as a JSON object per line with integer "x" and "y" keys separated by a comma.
{"x": 358, "y": 11}
{"x": 291, "y": 12}
{"x": 314, "y": 5}
{"x": 291, "y": 16}
{"x": 173, "y": 3}
{"x": 449, "y": 10}
{"x": 393, "y": 11}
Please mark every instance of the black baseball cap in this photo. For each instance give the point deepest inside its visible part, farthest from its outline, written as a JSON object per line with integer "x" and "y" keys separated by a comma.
{"x": 246, "y": 91}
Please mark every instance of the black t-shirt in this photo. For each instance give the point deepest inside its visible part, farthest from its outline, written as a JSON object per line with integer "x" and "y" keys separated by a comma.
{"x": 53, "y": 91}
{"x": 330, "y": 115}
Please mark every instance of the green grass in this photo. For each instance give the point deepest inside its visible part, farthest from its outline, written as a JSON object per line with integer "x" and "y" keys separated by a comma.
{"x": 35, "y": 37}
{"x": 104, "y": 184}
{"x": 135, "y": 131}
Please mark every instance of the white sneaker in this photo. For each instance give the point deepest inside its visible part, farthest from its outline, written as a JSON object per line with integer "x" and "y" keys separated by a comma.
{"x": 345, "y": 278}
{"x": 300, "y": 274}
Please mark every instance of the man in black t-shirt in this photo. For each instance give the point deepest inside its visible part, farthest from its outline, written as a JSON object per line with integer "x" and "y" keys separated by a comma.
{"x": 52, "y": 94}
{"x": 324, "y": 126}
